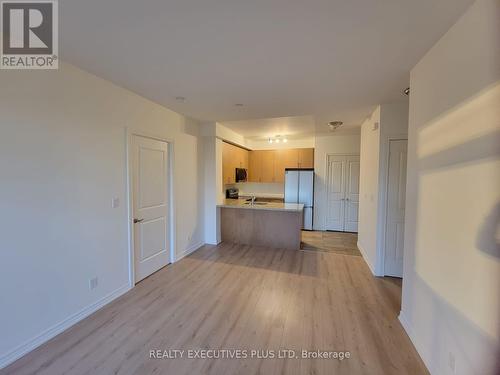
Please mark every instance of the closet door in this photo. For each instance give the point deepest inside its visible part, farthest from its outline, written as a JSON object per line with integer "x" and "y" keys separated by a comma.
{"x": 335, "y": 190}
{"x": 351, "y": 194}
{"x": 396, "y": 197}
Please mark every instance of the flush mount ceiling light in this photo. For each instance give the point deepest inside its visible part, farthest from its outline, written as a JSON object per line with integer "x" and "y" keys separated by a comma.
{"x": 406, "y": 91}
{"x": 334, "y": 125}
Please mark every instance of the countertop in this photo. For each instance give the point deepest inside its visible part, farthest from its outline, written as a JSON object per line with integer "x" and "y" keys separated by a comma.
{"x": 272, "y": 206}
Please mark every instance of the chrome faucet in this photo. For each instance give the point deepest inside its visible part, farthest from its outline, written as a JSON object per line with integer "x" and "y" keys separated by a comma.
{"x": 253, "y": 200}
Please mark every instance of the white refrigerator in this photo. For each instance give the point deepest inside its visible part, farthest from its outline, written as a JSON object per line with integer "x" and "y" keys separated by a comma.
{"x": 299, "y": 188}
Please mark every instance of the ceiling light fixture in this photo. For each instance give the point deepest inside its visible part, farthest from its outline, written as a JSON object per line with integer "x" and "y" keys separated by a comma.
{"x": 277, "y": 139}
{"x": 334, "y": 125}
{"x": 180, "y": 99}
{"x": 238, "y": 105}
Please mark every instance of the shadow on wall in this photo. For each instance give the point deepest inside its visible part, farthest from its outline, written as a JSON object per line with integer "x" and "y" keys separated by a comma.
{"x": 452, "y": 266}
{"x": 445, "y": 336}
{"x": 487, "y": 239}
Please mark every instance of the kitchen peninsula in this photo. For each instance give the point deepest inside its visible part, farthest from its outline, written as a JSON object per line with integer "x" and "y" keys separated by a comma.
{"x": 270, "y": 224}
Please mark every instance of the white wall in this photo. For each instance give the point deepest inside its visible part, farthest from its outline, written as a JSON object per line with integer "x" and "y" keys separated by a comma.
{"x": 213, "y": 192}
{"x": 392, "y": 119}
{"x": 369, "y": 188}
{"x": 324, "y": 145}
{"x": 62, "y": 160}
{"x": 451, "y": 285}
{"x": 210, "y": 192}
{"x": 229, "y": 135}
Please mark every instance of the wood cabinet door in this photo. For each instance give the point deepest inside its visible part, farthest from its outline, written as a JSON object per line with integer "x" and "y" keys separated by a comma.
{"x": 280, "y": 158}
{"x": 306, "y": 158}
{"x": 291, "y": 158}
{"x": 244, "y": 159}
{"x": 228, "y": 173}
{"x": 255, "y": 166}
{"x": 267, "y": 166}
{"x": 286, "y": 158}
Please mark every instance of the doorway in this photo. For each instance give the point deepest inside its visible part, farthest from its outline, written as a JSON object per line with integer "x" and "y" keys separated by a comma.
{"x": 342, "y": 188}
{"x": 395, "y": 208}
{"x": 150, "y": 204}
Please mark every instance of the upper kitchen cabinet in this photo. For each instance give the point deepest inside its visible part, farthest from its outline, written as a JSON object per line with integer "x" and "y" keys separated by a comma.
{"x": 286, "y": 158}
{"x": 241, "y": 157}
{"x": 228, "y": 174}
{"x": 262, "y": 166}
{"x": 255, "y": 166}
{"x": 232, "y": 157}
{"x": 265, "y": 165}
{"x": 306, "y": 157}
{"x": 267, "y": 174}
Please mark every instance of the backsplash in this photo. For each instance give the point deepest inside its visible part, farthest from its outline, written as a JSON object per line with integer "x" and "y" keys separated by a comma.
{"x": 259, "y": 188}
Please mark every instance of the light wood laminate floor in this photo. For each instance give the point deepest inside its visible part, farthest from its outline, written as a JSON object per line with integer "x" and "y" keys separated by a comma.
{"x": 241, "y": 297}
{"x": 335, "y": 242}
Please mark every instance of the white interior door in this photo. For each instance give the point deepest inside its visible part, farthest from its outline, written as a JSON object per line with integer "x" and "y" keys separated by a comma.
{"x": 150, "y": 205}
{"x": 342, "y": 193}
{"x": 352, "y": 194}
{"x": 335, "y": 189}
{"x": 396, "y": 193}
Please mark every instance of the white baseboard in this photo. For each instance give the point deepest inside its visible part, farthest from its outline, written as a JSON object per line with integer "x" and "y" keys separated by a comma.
{"x": 363, "y": 253}
{"x": 406, "y": 325}
{"x": 189, "y": 250}
{"x": 33, "y": 343}
{"x": 419, "y": 348}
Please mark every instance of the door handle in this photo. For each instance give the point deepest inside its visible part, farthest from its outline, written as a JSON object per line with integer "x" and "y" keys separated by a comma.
{"x": 138, "y": 221}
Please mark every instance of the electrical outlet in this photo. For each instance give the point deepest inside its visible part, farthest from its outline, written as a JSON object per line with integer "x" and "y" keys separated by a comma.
{"x": 451, "y": 362}
{"x": 115, "y": 202}
{"x": 93, "y": 283}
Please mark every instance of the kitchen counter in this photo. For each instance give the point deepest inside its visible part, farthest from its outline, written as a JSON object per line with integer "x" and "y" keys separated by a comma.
{"x": 271, "y": 206}
{"x": 268, "y": 224}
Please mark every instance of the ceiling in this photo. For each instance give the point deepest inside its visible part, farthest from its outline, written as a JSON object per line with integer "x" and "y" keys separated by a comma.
{"x": 292, "y": 127}
{"x": 320, "y": 60}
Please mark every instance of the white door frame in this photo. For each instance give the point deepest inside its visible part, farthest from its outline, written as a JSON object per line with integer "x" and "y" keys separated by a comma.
{"x": 325, "y": 217}
{"x": 383, "y": 212}
{"x": 129, "y": 133}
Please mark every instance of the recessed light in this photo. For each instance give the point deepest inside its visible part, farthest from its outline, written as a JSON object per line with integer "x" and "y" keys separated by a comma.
{"x": 285, "y": 140}
{"x": 270, "y": 140}
{"x": 180, "y": 99}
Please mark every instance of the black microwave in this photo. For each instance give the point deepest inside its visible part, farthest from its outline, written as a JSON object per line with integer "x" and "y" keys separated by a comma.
{"x": 241, "y": 175}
